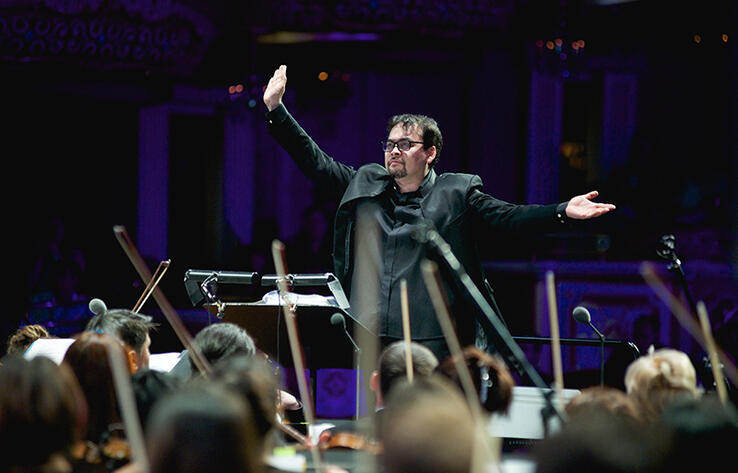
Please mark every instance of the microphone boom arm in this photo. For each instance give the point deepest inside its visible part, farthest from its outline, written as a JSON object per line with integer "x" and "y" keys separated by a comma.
{"x": 491, "y": 323}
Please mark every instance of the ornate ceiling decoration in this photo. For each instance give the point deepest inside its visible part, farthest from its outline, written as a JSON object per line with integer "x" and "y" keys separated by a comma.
{"x": 105, "y": 35}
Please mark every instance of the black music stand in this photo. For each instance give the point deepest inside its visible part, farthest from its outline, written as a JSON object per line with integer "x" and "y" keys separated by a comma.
{"x": 325, "y": 345}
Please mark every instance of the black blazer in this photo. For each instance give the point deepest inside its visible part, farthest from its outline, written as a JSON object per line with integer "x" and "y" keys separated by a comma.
{"x": 453, "y": 202}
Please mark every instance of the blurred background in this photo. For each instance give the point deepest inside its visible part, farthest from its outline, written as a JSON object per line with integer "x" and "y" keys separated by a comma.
{"x": 148, "y": 114}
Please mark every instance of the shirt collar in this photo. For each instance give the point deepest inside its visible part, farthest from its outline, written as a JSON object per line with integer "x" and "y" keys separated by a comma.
{"x": 425, "y": 187}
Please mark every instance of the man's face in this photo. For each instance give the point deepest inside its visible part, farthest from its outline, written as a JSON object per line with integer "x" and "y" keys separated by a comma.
{"x": 412, "y": 164}
{"x": 143, "y": 357}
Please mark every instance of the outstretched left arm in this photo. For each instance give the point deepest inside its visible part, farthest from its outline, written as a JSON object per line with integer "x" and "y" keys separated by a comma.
{"x": 581, "y": 207}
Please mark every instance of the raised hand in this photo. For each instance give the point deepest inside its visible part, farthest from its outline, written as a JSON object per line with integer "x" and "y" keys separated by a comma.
{"x": 581, "y": 207}
{"x": 274, "y": 90}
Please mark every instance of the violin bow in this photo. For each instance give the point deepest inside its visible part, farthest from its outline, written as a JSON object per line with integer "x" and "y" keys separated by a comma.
{"x": 722, "y": 390}
{"x": 483, "y": 452}
{"x": 364, "y": 297}
{"x": 686, "y": 319}
{"x": 170, "y": 314}
{"x": 406, "y": 330}
{"x": 553, "y": 318}
{"x": 158, "y": 274}
{"x": 289, "y": 309}
{"x": 128, "y": 409}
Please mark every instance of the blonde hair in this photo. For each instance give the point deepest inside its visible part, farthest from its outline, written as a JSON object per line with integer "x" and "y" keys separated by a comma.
{"x": 655, "y": 380}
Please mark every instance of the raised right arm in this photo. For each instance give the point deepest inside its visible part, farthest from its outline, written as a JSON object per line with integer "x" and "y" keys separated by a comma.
{"x": 320, "y": 168}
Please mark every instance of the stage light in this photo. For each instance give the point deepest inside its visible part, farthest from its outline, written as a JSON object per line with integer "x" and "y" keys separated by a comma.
{"x": 323, "y": 76}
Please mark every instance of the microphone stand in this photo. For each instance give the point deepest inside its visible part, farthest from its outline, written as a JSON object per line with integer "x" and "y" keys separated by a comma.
{"x": 357, "y": 352}
{"x": 667, "y": 252}
{"x": 602, "y": 353}
{"x": 425, "y": 233}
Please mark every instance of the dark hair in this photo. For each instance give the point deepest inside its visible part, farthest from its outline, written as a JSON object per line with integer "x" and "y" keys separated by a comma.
{"x": 252, "y": 378}
{"x": 492, "y": 379}
{"x": 24, "y": 337}
{"x": 189, "y": 425}
{"x": 392, "y": 363}
{"x": 428, "y": 127}
{"x": 220, "y": 340}
{"x": 88, "y": 358}
{"x": 699, "y": 429}
{"x": 148, "y": 387}
{"x": 42, "y": 410}
{"x": 129, "y": 327}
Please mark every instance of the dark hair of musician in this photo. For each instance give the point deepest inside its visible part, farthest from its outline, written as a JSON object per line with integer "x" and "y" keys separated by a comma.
{"x": 88, "y": 359}
{"x": 220, "y": 340}
{"x": 203, "y": 428}
{"x": 129, "y": 327}
{"x": 252, "y": 378}
{"x": 492, "y": 379}
{"x": 148, "y": 387}
{"x": 42, "y": 411}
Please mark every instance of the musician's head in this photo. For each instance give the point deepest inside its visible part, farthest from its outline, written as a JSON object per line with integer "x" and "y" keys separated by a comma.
{"x": 492, "y": 379}
{"x": 602, "y": 402}
{"x": 131, "y": 329}
{"x": 203, "y": 428}
{"x": 22, "y": 338}
{"x": 88, "y": 359}
{"x": 251, "y": 377}
{"x": 42, "y": 411}
{"x": 659, "y": 378}
{"x": 221, "y": 340}
{"x": 427, "y": 427}
{"x": 392, "y": 366}
{"x": 149, "y": 386}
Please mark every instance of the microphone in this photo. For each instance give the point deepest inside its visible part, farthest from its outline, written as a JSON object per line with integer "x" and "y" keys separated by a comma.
{"x": 581, "y": 315}
{"x": 97, "y": 306}
{"x": 338, "y": 320}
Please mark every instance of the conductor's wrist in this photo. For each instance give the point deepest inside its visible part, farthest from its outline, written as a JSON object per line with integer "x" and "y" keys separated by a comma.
{"x": 277, "y": 115}
{"x": 561, "y": 213}
{"x": 271, "y": 105}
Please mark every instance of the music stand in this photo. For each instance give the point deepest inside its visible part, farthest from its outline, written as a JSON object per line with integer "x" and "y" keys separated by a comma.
{"x": 325, "y": 345}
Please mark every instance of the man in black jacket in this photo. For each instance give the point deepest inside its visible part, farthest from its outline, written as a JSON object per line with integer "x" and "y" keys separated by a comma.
{"x": 403, "y": 193}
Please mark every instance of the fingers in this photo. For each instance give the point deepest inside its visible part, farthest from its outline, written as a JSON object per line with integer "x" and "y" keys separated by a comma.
{"x": 275, "y": 88}
{"x": 591, "y": 195}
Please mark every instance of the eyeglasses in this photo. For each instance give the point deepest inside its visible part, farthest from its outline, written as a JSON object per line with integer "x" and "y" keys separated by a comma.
{"x": 403, "y": 145}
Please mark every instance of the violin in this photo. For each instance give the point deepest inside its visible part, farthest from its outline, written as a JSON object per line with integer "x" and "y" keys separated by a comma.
{"x": 348, "y": 440}
{"x": 108, "y": 455}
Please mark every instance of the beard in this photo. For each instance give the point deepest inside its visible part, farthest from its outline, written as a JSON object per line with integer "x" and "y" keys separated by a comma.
{"x": 397, "y": 173}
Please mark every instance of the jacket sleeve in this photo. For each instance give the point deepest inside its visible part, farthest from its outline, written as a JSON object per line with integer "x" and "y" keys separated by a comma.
{"x": 498, "y": 215}
{"x": 317, "y": 166}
